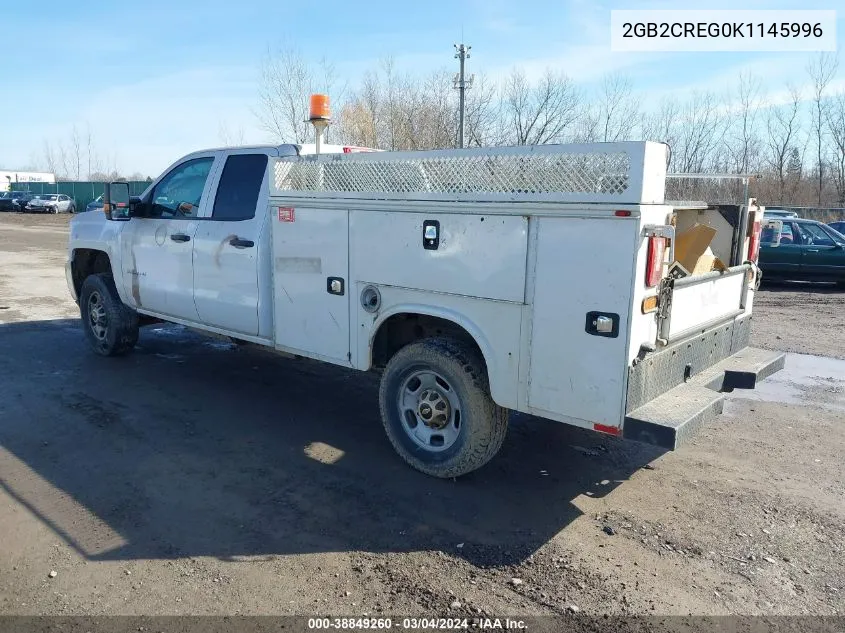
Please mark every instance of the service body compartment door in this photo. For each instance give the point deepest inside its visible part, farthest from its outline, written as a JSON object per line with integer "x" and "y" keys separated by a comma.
{"x": 310, "y": 282}
{"x": 583, "y": 272}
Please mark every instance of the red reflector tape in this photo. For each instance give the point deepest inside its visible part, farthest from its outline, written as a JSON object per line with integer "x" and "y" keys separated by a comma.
{"x": 604, "y": 428}
{"x": 622, "y": 213}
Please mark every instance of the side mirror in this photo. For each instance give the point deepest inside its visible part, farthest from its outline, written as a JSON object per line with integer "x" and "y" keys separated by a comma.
{"x": 116, "y": 200}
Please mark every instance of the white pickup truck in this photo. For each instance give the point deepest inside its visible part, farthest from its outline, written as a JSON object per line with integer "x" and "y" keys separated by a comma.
{"x": 536, "y": 279}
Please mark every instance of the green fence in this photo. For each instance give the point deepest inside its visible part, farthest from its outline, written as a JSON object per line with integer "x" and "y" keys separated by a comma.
{"x": 82, "y": 192}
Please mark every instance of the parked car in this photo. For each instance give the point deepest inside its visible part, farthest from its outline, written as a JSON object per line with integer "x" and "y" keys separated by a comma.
{"x": 838, "y": 226}
{"x": 51, "y": 203}
{"x": 95, "y": 205}
{"x": 6, "y": 201}
{"x": 805, "y": 250}
{"x": 774, "y": 212}
{"x": 14, "y": 200}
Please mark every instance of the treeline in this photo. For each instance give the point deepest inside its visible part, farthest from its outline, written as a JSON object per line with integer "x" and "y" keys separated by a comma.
{"x": 795, "y": 143}
{"x": 77, "y": 158}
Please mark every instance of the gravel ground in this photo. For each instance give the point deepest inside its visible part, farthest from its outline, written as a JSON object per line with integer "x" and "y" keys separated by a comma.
{"x": 194, "y": 477}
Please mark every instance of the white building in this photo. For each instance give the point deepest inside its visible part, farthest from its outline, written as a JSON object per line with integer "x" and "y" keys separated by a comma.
{"x": 10, "y": 178}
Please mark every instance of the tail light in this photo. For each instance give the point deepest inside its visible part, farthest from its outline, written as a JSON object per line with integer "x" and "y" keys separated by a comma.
{"x": 754, "y": 242}
{"x": 654, "y": 265}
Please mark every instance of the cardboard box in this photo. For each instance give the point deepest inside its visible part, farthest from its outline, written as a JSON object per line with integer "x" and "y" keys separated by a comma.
{"x": 691, "y": 244}
{"x": 693, "y": 252}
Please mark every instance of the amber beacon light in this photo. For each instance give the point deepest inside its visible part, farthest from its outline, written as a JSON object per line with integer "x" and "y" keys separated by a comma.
{"x": 319, "y": 118}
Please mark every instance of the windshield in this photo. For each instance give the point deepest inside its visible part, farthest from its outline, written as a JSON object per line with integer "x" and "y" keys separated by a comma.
{"x": 51, "y": 198}
{"x": 837, "y": 232}
{"x": 5, "y": 194}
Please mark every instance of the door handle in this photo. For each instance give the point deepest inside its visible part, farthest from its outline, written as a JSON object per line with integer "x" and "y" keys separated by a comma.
{"x": 812, "y": 250}
{"x": 180, "y": 237}
{"x": 239, "y": 243}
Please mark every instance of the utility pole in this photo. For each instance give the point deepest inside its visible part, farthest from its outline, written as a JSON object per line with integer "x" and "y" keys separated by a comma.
{"x": 462, "y": 84}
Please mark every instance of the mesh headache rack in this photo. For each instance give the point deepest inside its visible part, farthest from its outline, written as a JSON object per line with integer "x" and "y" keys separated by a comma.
{"x": 624, "y": 173}
{"x": 700, "y": 191}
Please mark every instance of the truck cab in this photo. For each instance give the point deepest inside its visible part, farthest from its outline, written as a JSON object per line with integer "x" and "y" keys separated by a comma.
{"x": 197, "y": 248}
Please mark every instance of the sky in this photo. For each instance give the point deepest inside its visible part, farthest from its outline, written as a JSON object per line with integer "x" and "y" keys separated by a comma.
{"x": 155, "y": 80}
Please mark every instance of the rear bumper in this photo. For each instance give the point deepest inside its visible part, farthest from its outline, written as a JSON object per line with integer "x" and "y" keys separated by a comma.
{"x": 675, "y": 415}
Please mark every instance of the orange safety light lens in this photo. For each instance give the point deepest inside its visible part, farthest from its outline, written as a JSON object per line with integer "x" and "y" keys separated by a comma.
{"x": 319, "y": 106}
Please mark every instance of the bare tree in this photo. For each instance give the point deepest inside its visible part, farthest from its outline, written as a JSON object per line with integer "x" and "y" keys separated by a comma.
{"x": 821, "y": 71}
{"x": 360, "y": 117}
{"x": 836, "y": 128}
{"x": 782, "y": 128}
{"x": 51, "y": 160}
{"x": 66, "y": 162}
{"x": 617, "y": 109}
{"x": 700, "y": 130}
{"x": 539, "y": 113}
{"x": 76, "y": 153}
{"x": 229, "y": 137}
{"x": 743, "y": 142}
{"x": 287, "y": 80}
{"x": 480, "y": 119}
{"x": 661, "y": 125}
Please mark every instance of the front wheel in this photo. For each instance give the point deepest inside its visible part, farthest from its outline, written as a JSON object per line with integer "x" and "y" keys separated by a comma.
{"x": 437, "y": 410}
{"x": 110, "y": 327}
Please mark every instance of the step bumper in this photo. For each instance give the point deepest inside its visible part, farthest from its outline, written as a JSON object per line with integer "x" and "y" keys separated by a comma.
{"x": 674, "y": 416}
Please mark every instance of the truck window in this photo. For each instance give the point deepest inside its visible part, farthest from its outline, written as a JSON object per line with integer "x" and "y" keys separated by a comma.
{"x": 179, "y": 192}
{"x": 240, "y": 184}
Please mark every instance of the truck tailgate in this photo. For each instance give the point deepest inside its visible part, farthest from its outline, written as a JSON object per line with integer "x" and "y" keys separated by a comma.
{"x": 691, "y": 304}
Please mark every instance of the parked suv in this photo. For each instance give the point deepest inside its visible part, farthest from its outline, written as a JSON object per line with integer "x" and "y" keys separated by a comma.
{"x": 14, "y": 200}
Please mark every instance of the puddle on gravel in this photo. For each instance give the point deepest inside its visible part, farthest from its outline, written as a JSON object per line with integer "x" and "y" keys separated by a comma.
{"x": 816, "y": 380}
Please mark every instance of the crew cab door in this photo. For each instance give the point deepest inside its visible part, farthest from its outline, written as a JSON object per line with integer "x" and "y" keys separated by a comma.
{"x": 228, "y": 242}
{"x": 156, "y": 246}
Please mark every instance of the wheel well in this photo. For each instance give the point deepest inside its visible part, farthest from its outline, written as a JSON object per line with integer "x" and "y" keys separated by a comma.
{"x": 87, "y": 261}
{"x": 401, "y": 329}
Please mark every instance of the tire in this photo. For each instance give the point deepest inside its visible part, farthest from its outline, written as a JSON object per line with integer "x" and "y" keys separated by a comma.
{"x": 115, "y": 331}
{"x": 471, "y": 427}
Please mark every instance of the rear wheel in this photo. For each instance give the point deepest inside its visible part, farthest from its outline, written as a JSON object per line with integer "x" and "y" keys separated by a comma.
{"x": 437, "y": 410}
{"x": 110, "y": 327}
